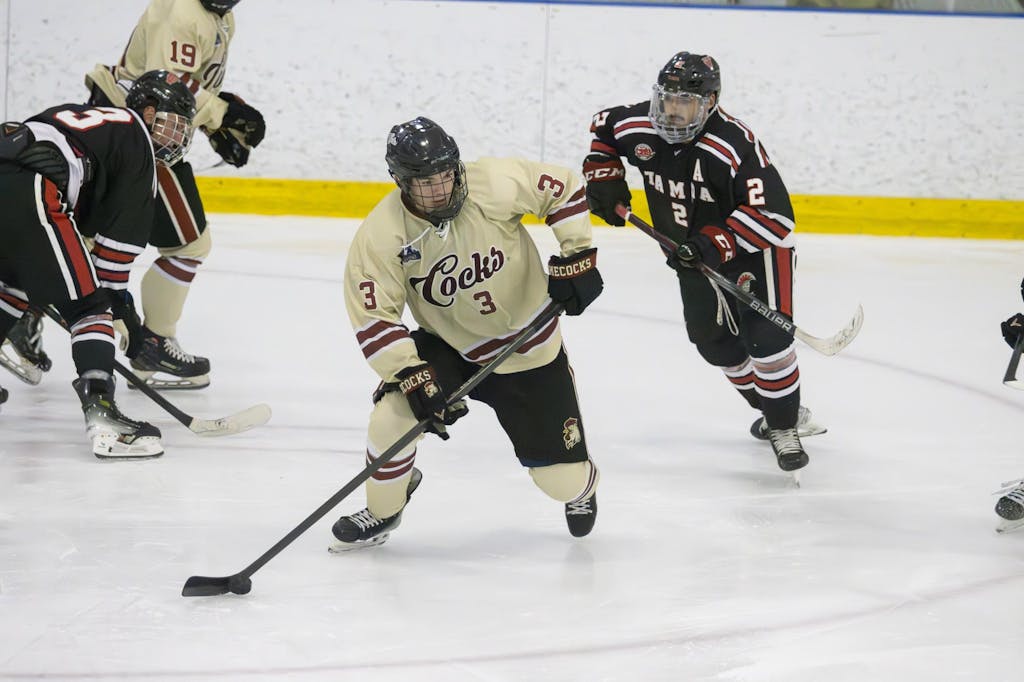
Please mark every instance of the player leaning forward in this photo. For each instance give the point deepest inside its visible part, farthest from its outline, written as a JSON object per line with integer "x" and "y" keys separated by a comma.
{"x": 450, "y": 245}
{"x": 79, "y": 186}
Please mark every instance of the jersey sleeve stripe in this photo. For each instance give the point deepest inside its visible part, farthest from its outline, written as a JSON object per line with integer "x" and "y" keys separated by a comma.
{"x": 747, "y": 234}
{"x": 576, "y": 206}
{"x": 761, "y": 218}
{"x": 386, "y": 341}
{"x": 601, "y": 148}
{"x": 720, "y": 151}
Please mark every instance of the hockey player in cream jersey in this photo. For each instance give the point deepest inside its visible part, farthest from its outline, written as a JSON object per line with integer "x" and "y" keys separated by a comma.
{"x": 189, "y": 38}
{"x": 449, "y": 244}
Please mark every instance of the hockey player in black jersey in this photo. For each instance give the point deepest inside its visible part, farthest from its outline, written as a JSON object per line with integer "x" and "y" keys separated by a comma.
{"x": 712, "y": 188}
{"x": 79, "y": 184}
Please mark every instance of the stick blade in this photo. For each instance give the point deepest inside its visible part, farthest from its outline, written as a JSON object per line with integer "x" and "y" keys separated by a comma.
{"x": 203, "y": 586}
{"x": 249, "y": 418}
{"x": 837, "y": 341}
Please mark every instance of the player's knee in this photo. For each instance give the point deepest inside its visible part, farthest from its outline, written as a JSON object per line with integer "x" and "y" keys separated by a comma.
{"x": 196, "y": 250}
{"x": 391, "y": 417}
{"x": 569, "y": 481}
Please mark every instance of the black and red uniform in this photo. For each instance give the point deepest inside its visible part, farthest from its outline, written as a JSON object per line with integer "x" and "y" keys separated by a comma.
{"x": 723, "y": 179}
{"x": 109, "y": 198}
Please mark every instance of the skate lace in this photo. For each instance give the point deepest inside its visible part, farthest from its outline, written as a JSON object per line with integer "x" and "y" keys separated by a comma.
{"x": 175, "y": 351}
{"x": 784, "y": 441}
{"x": 364, "y": 519}
{"x": 578, "y": 507}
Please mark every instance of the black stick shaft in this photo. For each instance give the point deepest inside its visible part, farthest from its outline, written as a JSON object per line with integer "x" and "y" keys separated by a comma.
{"x": 549, "y": 313}
{"x": 775, "y": 317}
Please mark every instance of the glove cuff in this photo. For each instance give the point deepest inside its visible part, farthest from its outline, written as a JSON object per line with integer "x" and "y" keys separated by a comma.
{"x": 717, "y": 241}
{"x": 567, "y": 267}
{"x": 603, "y": 169}
{"x": 412, "y": 379}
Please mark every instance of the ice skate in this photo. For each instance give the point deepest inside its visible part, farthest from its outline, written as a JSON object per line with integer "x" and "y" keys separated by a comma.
{"x": 789, "y": 452}
{"x": 1010, "y": 506}
{"x": 581, "y": 516}
{"x": 3, "y": 395}
{"x": 22, "y": 353}
{"x": 363, "y": 529}
{"x": 162, "y": 364}
{"x": 113, "y": 435}
{"x": 805, "y": 426}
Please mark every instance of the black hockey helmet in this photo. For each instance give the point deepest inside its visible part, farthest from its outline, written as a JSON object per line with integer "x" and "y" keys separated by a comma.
{"x": 682, "y": 97}
{"x": 220, "y": 7}
{"x": 419, "y": 149}
{"x": 171, "y": 128}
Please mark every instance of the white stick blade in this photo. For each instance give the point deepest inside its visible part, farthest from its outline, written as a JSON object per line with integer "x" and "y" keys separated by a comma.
{"x": 257, "y": 415}
{"x": 837, "y": 341}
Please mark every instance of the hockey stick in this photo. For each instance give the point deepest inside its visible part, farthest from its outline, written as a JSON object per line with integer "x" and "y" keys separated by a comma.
{"x": 241, "y": 583}
{"x": 826, "y": 346}
{"x": 1010, "y": 378}
{"x": 251, "y": 417}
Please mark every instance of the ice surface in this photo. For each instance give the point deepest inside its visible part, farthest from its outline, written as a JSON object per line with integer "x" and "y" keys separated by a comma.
{"x": 705, "y": 563}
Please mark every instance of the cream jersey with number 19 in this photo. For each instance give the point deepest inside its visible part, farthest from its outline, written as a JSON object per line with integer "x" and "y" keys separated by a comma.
{"x": 180, "y": 36}
{"x": 475, "y": 284}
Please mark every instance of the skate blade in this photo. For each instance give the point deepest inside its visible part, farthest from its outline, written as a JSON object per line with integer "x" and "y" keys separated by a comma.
{"x": 339, "y": 547}
{"x": 18, "y": 366}
{"x": 804, "y": 431}
{"x": 795, "y": 475}
{"x": 169, "y": 382}
{"x": 109, "y": 448}
{"x": 1009, "y": 526}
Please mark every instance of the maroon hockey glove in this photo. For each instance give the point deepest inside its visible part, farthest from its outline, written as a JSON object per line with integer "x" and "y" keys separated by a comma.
{"x": 1012, "y": 328}
{"x": 574, "y": 280}
{"x": 606, "y": 187}
{"x": 711, "y": 246}
{"x": 421, "y": 388}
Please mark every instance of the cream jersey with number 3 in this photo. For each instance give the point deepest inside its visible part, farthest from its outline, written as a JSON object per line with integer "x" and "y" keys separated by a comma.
{"x": 180, "y": 36}
{"x": 478, "y": 285}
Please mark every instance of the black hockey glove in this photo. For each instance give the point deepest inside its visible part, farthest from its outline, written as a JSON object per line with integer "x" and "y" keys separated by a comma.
{"x": 711, "y": 246}
{"x": 606, "y": 187}
{"x": 18, "y": 144}
{"x": 574, "y": 280}
{"x": 421, "y": 388}
{"x": 126, "y": 321}
{"x": 244, "y": 118}
{"x": 1012, "y": 328}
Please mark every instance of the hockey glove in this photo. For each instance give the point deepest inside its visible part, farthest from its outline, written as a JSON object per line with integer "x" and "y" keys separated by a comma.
{"x": 226, "y": 143}
{"x": 606, "y": 187}
{"x": 574, "y": 280}
{"x": 244, "y": 118}
{"x": 126, "y": 322}
{"x": 426, "y": 399}
{"x": 711, "y": 246}
{"x": 1012, "y": 328}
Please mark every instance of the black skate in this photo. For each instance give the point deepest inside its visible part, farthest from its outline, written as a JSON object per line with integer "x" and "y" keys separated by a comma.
{"x": 805, "y": 426}
{"x": 161, "y": 357}
{"x": 113, "y": 435}
{"x": 3, "y": 395}
{"x": 581, "y": 516}
{"x": 363, "y": 529}
{"x": 788, "y": 450}
{"x": 23, "y": 352}
{"x": 1010, "y": 506}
